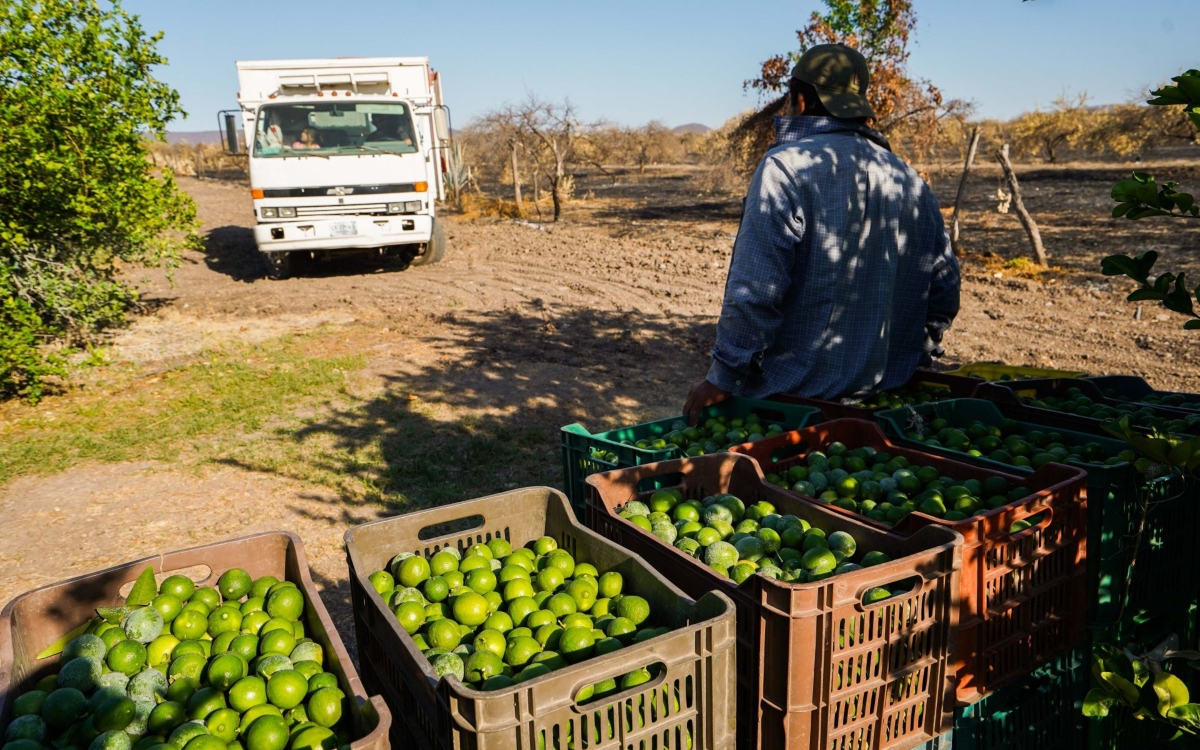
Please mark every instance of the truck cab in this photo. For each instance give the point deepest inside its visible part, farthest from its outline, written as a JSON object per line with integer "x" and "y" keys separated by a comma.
{"x": 344, "y": 155}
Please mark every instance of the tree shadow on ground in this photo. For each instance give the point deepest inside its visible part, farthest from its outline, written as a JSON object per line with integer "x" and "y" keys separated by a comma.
{"x": 230, "y": 250}
{"x": 484, "y": 416}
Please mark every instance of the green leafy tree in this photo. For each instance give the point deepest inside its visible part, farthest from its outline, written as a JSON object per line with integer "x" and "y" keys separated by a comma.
{"x": 79, "y": 199}
{"x": 1142, "y": 197}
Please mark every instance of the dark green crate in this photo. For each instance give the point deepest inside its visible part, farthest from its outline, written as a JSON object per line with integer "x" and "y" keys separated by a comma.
{"x": 1041, "y": 711}
{"x": 577, "y": 442}
{"x": 1127, "y": 596}
{"x": 1134, "y": 389}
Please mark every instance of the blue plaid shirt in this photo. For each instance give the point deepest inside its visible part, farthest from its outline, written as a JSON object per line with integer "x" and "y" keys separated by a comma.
{"x": 842, "y": 280}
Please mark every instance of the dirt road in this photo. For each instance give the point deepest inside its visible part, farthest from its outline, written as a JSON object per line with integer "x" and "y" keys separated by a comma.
{"x": 603, "y": 319}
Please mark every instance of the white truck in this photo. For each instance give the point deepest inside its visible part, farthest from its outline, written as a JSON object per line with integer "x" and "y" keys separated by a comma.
{"x": 345, "y": 154}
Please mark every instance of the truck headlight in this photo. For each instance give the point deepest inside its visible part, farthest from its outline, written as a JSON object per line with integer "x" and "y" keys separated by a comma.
{"x": 287, "y": 212}
{"x": 413, "y": 207}
{"x": 395, "y": 208}
{"x": 270, "y": 213}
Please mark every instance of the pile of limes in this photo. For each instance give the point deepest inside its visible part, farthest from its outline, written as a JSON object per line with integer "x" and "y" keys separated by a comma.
{"x": 1075, "y": 402}
{"x": 739, "y": 541}
{"x": 196, "y": 669}
{"x": 1010, "y": 443}
{"x": 716, "y": 434}
{"x": 494, "y": 616}
{"x": 1179, "y": 400}
{"x": 904, "y": 396}
{"x": 887, "y": 488}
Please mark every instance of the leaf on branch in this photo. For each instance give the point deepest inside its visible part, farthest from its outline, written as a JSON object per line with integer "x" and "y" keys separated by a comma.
{"x": 1097, "y": 702}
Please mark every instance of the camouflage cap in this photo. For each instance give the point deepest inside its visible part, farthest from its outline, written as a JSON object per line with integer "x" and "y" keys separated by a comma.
{"x": 840, "y": 75}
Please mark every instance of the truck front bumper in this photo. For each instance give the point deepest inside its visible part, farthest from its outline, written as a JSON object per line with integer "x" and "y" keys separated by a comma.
{"x": 342, "y": 233}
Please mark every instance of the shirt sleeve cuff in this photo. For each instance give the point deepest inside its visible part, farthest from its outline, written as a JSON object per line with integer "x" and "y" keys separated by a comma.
{"x": 725, "y": 377}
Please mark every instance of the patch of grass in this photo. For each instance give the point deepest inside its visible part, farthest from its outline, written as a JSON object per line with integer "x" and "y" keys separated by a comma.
{"x": 182, "y": 413}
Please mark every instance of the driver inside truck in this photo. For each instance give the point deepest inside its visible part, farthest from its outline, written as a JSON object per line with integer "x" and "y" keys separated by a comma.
{"x": 392, "y": 128}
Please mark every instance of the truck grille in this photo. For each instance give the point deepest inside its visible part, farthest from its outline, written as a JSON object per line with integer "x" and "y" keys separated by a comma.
{"x": 348, "y": 209}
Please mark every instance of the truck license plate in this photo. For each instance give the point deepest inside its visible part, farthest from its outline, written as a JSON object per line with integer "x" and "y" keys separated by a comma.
{"x": 343, "y": 228}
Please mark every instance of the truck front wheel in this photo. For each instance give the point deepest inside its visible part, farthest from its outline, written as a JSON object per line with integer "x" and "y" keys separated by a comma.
{"x": 434, "y": 249}
{"x": 278, "y": 265}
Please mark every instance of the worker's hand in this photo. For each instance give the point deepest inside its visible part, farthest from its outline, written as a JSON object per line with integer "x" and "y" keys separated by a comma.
{"x": 702, "y": 395}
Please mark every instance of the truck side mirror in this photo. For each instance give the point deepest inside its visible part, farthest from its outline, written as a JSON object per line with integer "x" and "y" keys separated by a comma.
{"x": 227, "y": 124}
{"x": 441, "y": 123}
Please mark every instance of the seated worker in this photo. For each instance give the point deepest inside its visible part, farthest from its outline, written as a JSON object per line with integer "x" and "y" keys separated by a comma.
{"x": 842, "y": 281}
{"x": 308, "y": 139}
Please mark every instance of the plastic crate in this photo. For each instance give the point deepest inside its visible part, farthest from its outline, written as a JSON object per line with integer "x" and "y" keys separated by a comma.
{"x": 942, "y": 385}
{"x": 1040, "y": 711}
{"x": 1125, "y": 590}
{"x": 1134, "y": 389}
{"x": 996, "y": 371}
{"x": 33, "y": 621}
{"x": 692, "y": 692}
{"x": 1008, "y": 396}
{"x": 1023, "y": 595}
{"x": 804, "y": 680}
{"x": 577, "y": 442}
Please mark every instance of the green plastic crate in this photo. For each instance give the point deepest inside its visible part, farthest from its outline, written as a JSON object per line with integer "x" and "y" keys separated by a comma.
{"x": 1042, "y": 711}
{"x": 1136, "y": 390}
{"x": 1124, "y": 600}
{"x": 577, "y": 442}
{"x": 993, "y": 371}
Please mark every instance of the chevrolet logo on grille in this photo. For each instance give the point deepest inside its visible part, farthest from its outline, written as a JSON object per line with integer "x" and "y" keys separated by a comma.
{"x": 339, "y": 191}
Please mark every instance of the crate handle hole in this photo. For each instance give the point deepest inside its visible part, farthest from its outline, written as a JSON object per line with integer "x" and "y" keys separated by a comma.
{"x": 1031, "y": 524}
{"x": 198, "y": 574}
{"x": 446, "y": 528}
{"x": 900, "y": 589}
{"x": 583, "y": 696}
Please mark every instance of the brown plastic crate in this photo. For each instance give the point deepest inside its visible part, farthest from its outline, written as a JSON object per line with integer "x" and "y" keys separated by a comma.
{"x": 697, "y": 657}
{"x": 796, "y": 641}
{"x": 33, "y": 621}
{"x": 1023, "y": 595}
{"x": 954, "y": 386}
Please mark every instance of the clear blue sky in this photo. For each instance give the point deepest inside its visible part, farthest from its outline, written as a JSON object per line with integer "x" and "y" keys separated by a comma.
{"x": 678, "y": 61}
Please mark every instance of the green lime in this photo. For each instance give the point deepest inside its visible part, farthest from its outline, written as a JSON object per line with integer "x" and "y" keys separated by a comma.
{"x": 490, "y": 640}
{"x": 178, "y": 586}
{"x": 127, "y": 657}
{"x": 322, "y": 680}
{"x": 577, "y": 644}
{"x": 325, "y": 706}
{"x": 313, "y": 738}
{"x": 190, "y": 625}
{"x": 208, "y": 595}
{"x": 112, "y": 740}
{"x": 251, "y": 715}
{"x": 63, "y": 707}
{"x": 267, "y": 733}
{"x": 165, "y": 717}
{"x": 276, "y": 642}
{"x": 635, "y": 608}
{"x": 443, "y": 633}
{"x": 521, "y": 650}
{"x": 223, "y": 723}
{"x": 262, "y": 586}
{"x": 225, "y": 670}
{"x": 168, "y": 606}
{"x": 224, "y": 619}
{"x": 470, "y": 609}
{"x": 286, "y": 603}
{"x": 189, "y": 665}
{"x": 234, "y": 584}
{"x": 247, "y": 693}
{"x": 482, "y": 665}
{"x": 413, "y": 571}
{"x": 203, "y": 702}
{"x": 269, "y": 664}
{"x": 436, "y": 589}
{"x": 205, "y": 742}
{"x": 481, "y": 581}
{"x": 253, "y": 622}
{"x": 411, "y": 616}
{"x": 114, "y": 714}
{"x": 286, "y": 689}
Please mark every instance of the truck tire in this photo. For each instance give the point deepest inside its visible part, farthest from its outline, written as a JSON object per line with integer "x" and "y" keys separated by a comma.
{"x": 435, "y": 249}
{"x": 278, "y": 265}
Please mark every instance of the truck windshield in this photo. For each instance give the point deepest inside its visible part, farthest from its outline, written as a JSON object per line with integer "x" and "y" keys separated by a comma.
{"x": 334, "y": 128}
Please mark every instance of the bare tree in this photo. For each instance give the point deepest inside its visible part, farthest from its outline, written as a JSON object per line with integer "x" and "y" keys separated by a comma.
{"x": 653, "y": 143}
{"x": 554, "y": 129}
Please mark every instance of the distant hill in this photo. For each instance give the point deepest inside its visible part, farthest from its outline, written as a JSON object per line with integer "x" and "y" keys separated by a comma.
{"x": 692, "y": 127}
